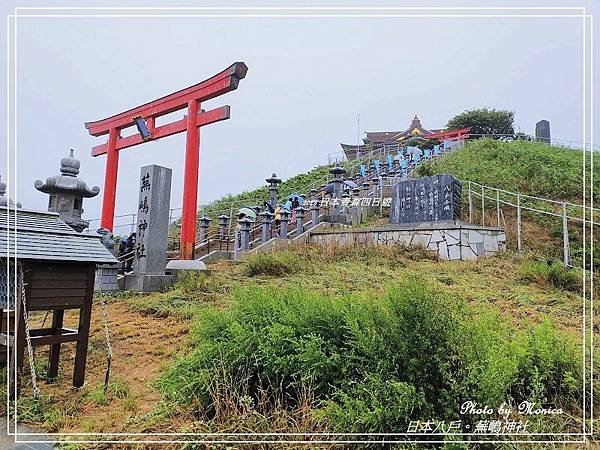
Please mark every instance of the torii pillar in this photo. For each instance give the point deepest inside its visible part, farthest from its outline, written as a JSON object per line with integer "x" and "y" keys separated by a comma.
{"x": 144, "y": 118}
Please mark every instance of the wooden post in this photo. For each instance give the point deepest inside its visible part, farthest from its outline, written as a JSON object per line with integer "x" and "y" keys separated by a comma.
{"x": 83, "y": 331}
{"x": 519, "y": 244}
{"x": 565, "y": 223}
{"x": 54, "y": 354}
{"x": 498, "y": 206}
{"x": 19, "y": 347}
{"x": 482, "y": 206}
{"x": 470, "y": 204}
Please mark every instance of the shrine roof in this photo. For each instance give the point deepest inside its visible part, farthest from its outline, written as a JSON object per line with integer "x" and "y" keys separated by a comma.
{"x": 415, "y": 130}
{"x": 44, "y": 236}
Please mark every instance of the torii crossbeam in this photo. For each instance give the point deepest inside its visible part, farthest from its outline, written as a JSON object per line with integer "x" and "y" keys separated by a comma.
{"x": 144, "y": 117}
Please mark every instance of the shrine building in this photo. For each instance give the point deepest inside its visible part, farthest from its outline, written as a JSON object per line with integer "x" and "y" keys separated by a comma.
{"x": 416, "y": 131}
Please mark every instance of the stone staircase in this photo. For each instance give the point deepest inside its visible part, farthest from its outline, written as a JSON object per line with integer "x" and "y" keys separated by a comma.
{"x": 332, "y": 203}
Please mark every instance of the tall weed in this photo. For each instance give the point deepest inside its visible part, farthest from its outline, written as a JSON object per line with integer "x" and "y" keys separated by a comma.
{"x": 373, "y": 363}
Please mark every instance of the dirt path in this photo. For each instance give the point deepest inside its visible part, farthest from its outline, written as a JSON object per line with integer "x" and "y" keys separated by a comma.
{"x": 142, "y": 346}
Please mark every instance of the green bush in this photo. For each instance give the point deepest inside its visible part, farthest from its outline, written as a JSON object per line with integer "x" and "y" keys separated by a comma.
{"x": 563, "y": 278}
{"x": 373, "y": 406}
{"x": 546, "y": 368}
{"x": 272, "y": 264}
{"x": 372, "y": 363}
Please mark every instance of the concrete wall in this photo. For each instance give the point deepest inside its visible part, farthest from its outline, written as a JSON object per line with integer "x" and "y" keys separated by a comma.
{"x": 106, "y": 278}
{"x": 279, "y": 244}
{"x": 451, "y": 240}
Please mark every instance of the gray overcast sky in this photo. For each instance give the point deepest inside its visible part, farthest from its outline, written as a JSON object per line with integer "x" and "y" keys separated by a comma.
{"x": 307, "y": 80}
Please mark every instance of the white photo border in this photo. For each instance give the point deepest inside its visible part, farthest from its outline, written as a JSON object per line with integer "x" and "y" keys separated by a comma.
{"x": 12, "y": 108}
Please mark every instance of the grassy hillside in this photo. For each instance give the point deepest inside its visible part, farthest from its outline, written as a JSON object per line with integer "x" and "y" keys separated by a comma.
{"x": 344, "y": 339}
{"x": 299, "y": 184}
{"x": 533, "y": 169}
{"x": 520, "y": 166}
{"x": 328, "y": 340}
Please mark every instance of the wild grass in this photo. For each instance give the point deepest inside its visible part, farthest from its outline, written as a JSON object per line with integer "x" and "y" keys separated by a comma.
{"x": 191, "y": 292}
{"x": 116, "y": 389}
{"x": 530, "y": 168}
{"x": 272, "y": 264}
{"x": 551, "y": 273}
{"x": 372, "y": 362}
{"x": 355, "y": 338}
{"x": 46, "y": 412}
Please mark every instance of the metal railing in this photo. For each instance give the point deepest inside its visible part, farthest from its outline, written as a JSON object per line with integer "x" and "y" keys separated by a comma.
{"x": 492, "y": 199}
{"x": 380, "y": 151}
{"x": 128, "y": 222}
{"x": 487, "y": 195}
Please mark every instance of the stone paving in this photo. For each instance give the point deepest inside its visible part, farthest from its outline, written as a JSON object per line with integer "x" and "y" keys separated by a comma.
{"x": 8, "y": 442}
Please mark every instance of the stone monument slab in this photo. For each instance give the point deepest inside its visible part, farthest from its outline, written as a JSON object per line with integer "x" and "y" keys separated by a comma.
{"x": 152, "y": 232}
{"x": 429, "y": 199}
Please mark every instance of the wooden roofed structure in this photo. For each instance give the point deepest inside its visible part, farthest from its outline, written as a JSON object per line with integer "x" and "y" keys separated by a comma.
{"x": 54, "y": 267}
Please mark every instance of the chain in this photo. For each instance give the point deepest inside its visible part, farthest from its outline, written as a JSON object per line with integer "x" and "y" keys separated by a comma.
{"x": 36, "y": 390}
{"x": 109, "y": 350}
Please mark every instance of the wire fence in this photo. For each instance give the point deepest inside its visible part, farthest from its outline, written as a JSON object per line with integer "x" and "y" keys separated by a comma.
{"x": 385, "y": 148}
{"x": 492, "y": 200}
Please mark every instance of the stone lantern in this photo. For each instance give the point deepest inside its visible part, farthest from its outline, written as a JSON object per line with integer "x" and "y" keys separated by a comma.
{"x": 223, "y": 226}
{"x": 67, "y": 192}
{"x": 338, "y": 181}
{"x": 4, "y": 200}
{"x": 274, "y": 183}
{"x": 204, "y": 226}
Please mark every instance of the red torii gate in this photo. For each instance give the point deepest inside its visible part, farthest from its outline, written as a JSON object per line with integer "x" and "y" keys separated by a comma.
{"x": 144, "y": 118}
{"x": 441, "y": 135}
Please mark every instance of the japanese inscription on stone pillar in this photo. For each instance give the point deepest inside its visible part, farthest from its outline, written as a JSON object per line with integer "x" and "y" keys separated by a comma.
{"x": 429, "y": 199}
{"x": 153, "y": 220}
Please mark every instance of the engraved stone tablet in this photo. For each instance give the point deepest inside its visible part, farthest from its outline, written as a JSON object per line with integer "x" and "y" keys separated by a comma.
{"x": 430, "y": 199}
{"x": 153, "y": 221}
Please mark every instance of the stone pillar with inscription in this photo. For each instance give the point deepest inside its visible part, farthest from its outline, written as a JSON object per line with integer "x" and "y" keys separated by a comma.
{"x": 300, "y": 210}
{"x": 245, "y": 225}
{"x": 284, "y": 217}
{"x": 355, "y": 206}
{"x": 542, "y": 131}
{"x": 152, "y": 231}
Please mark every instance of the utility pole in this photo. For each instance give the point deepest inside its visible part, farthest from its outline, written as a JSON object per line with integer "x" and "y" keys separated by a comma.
{"x": 358, "y": 136}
